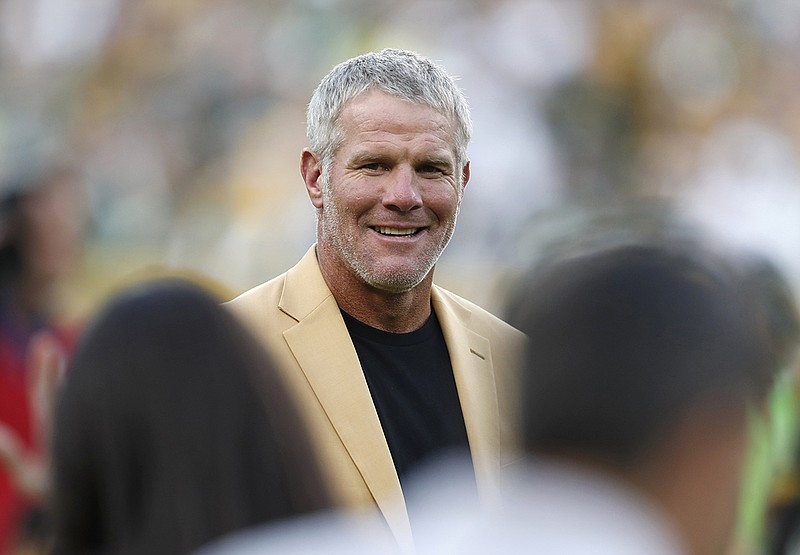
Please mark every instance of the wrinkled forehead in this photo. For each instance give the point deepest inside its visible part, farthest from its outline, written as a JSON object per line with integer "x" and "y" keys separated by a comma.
{"x": 375, "y": 113}
{"x": 389, "y": 97}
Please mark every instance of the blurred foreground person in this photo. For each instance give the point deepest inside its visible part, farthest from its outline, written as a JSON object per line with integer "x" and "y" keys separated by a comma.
{"x": 41, "y": 233}
{"x": 643, "y": 364}
{"x": 173, "y": 429}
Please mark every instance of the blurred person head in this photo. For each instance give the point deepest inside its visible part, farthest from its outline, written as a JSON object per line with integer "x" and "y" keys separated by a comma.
{"x": 173, "y": 429}
{"x": 644, "y": 362}
{"x": 41, "y": 231}
{"x": 385, "y": 170}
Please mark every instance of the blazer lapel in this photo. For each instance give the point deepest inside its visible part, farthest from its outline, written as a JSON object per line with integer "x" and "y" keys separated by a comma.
{"x": 470, "y": 356}
{"x": 323, "y": 349}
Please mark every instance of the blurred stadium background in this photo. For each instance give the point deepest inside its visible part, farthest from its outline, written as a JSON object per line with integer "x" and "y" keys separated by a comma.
{"x": 186, "y": 119}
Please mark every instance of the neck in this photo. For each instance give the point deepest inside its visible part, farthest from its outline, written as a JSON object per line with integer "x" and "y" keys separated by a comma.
{"x": 25, "y": 302}
{"x": 32, "y": 295}
{"x": 392, "y": 312}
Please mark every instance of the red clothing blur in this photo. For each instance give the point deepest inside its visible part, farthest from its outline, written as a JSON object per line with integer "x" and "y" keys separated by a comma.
{"x": 16, "y": 413}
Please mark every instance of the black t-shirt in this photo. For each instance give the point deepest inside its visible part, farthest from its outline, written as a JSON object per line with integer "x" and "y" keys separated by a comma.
{"x": 411, "y": 381}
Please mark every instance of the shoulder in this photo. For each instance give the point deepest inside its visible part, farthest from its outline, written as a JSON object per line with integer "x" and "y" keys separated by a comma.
{"x": 284, "y": 300}
{"x": 297, "y": 281}
{"x": 258, "y": 300}
{"x": 259, "y": 293}
{"x": 476, "y": 317}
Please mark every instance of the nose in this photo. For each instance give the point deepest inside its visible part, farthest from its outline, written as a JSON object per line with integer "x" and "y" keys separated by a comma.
{"x": 402, "y": 192}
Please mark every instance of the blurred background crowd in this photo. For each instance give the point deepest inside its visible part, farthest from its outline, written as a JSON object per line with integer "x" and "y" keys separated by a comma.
{"x": 168, "y": 135}
{"x": 185, "y": 119}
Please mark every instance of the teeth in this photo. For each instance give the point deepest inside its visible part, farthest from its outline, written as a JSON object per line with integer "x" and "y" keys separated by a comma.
{"x": 396, "y": 231}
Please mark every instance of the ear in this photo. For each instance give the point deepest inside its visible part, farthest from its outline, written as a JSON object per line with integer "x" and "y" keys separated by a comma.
{"x": 311, "y": 170}
{"x": 465, "y": 173}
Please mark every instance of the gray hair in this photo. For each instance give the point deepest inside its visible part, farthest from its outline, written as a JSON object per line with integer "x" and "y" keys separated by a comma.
{"x": 400, "y": 73}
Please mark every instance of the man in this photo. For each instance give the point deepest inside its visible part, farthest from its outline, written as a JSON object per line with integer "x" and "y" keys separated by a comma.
{"x": 643, "y": 364}
{"x": 389, "y": 369}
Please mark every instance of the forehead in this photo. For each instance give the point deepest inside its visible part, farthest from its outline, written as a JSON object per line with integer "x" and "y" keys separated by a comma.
{"x": 376, "y": 116}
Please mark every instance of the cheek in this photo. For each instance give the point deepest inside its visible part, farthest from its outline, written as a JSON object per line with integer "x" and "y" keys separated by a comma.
{"x": 354, "y": 200}
{"x": 444, "y": 203}
{"x": 339, "y": 210}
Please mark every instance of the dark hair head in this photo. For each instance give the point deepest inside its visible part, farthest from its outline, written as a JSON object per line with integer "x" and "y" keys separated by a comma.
{"x": 173, "y": 428}
{"x": 623, "y": 339}
{"x": 19, "y": 226}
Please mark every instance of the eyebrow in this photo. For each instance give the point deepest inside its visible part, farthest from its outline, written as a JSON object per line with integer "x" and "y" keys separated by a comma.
{"x": 366, "y": 157}
{"x": 438, "y": 161}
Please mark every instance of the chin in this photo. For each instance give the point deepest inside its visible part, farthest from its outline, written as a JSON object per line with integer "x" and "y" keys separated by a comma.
{"x": 396, "y": 282}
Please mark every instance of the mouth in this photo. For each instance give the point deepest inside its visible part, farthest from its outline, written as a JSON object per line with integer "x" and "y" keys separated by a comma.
{"x": 396, "y": 231}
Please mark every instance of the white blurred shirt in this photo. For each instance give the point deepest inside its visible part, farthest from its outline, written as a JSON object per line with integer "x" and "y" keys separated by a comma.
{"x": 547, "y": 509}
{"x": 328, "y": 532}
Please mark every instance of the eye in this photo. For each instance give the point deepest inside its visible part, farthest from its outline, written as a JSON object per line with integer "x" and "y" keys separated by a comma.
{"x": 430, "y": 170}
{"x": 374, "y": 167}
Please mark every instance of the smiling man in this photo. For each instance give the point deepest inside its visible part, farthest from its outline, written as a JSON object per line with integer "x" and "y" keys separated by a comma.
{"x": 389, "y": 369}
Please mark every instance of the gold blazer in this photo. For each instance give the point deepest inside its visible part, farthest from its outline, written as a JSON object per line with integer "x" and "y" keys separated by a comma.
{"x": 297, "y": 319}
